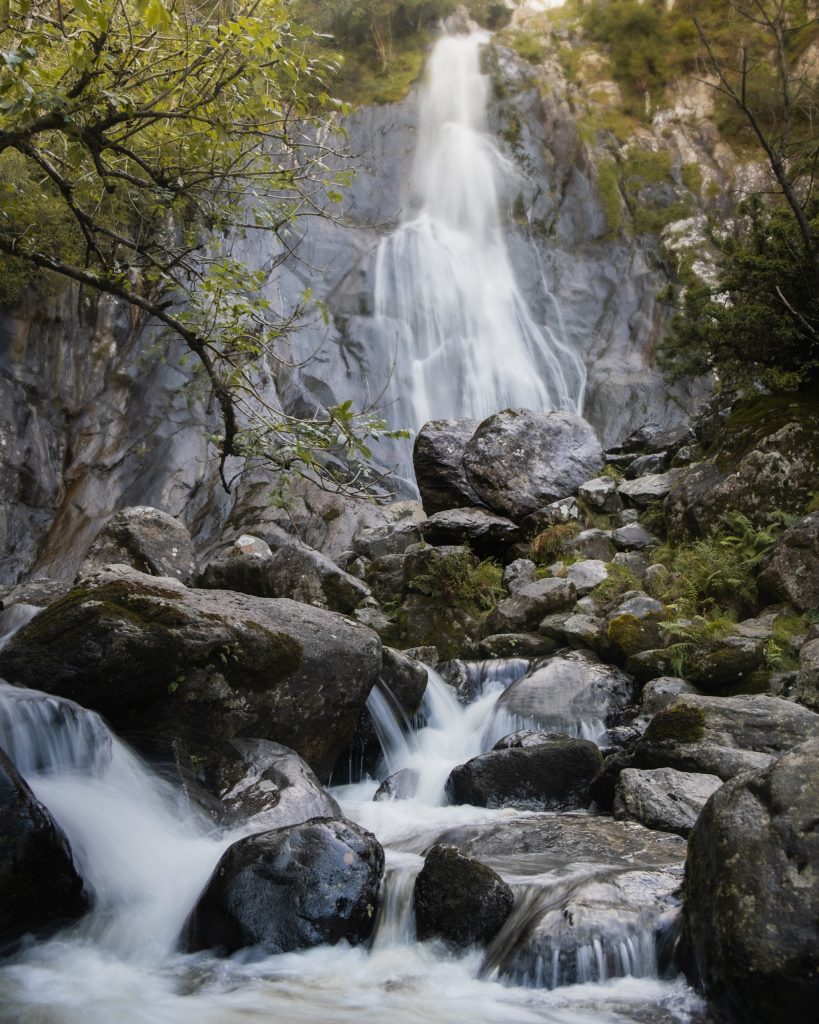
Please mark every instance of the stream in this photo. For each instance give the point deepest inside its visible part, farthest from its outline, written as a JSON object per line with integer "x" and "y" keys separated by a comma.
{"x": 145, "y": 853}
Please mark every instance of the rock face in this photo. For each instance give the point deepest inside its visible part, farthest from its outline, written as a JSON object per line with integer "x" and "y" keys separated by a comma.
{"x": 724, "y": 735}
{"x": 147, "y": 539}
{"x": 40, "y": 889}
{"x": 160, "y": 661}
{"x": 791, "y": 571}
{"x": 292, "y": 888}
{"x": 438, "y": 461}
{"x": 459, "y": 899}
{"x": 752, "y": 893}
{"x": 266, "y": 785}
{"x": 518, "y": 461}
{"x": 662, "y": 798}
{"x": 552, "y": 775}
{"x": 567, "y": 690}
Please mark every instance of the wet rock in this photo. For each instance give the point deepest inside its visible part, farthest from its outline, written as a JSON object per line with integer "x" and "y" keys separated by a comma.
{"x": 569, "y": 690}
{"x": 291, "y": 888}
{"x": 243, "y": 567}
{"x": 663, "y": 798}
{"x": 518, "y": 461}
{"x": 752, "y": 893}
{"x": 39, "y": 593}
{"x": 600, "y": 494}
{"x": 516, "y": 645}
{"x": 486, "y": 533}
{"x": 518, "y": 574}
{"x": 807, "y": 684}
{"x": 459, "y": 899}
{"x": 594, "y": 544}
{"x": 456, "y": 674}
{"x": 524, "y": 610}
{"x": 587, "y": 575}
{"x": 553, "y": 775}
{"x": 724, "y": 735}
{"x": 391, "y": 539}
{"x": 634, "y": 537}
{"x": 646, "y": 490}
{"x": 162, "y": 662}
{"x": 40, "y": 889}
{"x": 406, "y": 678}
{"x": 302, "y": 574}
{"x": 265, "y": 785}
{"x": 525, "y": 738}
{"x": 790, "y": 572}
{"x": 149, "y": 540}
{"x": 438, "y": 460}
{"x": 400, "y": 786}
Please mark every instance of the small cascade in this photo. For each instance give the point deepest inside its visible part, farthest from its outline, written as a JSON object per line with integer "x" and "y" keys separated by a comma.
{"x": 13, "y": 619}
{"x": 463, "y": 340}
{"x": 396, "y": 920}
{"x": 391, "y": 726}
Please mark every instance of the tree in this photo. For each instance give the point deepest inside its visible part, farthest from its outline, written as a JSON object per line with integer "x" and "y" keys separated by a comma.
{"x": 139, "y": 140}
{"x": 758, "y": 325}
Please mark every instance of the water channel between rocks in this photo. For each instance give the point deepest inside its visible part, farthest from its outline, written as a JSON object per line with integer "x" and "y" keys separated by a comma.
{"x": 145, "y": 854}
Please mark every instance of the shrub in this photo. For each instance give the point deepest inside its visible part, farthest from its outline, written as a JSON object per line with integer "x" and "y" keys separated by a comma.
{"x": 460, "y": 580}
{"x": 552, "y": 542}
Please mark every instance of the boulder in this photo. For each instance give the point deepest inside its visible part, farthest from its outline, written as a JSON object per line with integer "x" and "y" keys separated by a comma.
{"x": 552, "y": 775}
{"x": 149, "y": 540}
{"x": 663, "y": 798}
{"x": 524, "y": 610}
{"x": 752, "y": 893}
{"x": 40, "y": 889}
{"x": 648, "y": 489}
{"x": 634, "y": 561}
{"x": 654, "y": 464}
{"x": 406, "y": 679}
{"x": 634, "y": 537}
{"x": 518, "y": 461}
{"x": 569, "y": 693}
{"x": 460, "y": 900}
{"x": 456, "y": 673}
{"x": 302, "y": 574}
{"x": 264, "y": 785}
{"x": 486, "y": 533}
{"x": 724, "y": 735}
{"x": 719, "y": 664}
{"x": 766, "y": 458}
{"x": 662, "y": 692}
{"x": 586, "y": 632}
{"x": 244, "y": 566}
{"x": 516, "y": 645}
{"x": 291, "y": 888}
{"x": 587, "y": 575}
{"x": 790, "y": 572}
{"x": 437, "y": 457}
{"x": 807, "y": 683}
{"x": 162, "y": 663}
{"x": 600, "y": 495}
{"x": 390, "y": 539}
{"x": 400, "y": 786}
{"x": 594, "y": 544}
{"x": 37, "y": 593}
{"x": 519, "y": 574}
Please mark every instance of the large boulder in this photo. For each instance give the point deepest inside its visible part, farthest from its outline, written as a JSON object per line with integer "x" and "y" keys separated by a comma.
{"x": 147, "y": 539}
{"x": 648, "y": 489}
{"x": 265, "y": 785}
{"x": 486, "y": 533}
{"x": 518, "y": 461}
{"x": 439, "y": 470}
{"x": 790, "y": 572}
{"x": 569, "y": 693}
{"x": 752, "y": 893}
{"x": 291, "y": 888}
{"x": 303, "y": 574}
{"x": 724, "y": 735}
{"x": 40, "y": 889}
{"x": 552, "y": 775}
{"x": 663, "y": 798}
{"x": 766, "y": 459}
{"x": 528, "y": 605}
{"x": 459, "y": 899}
{"x": 243, "y": 566}
{"x": 162, "y": 662}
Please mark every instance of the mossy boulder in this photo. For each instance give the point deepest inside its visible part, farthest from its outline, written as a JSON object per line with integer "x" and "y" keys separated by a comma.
{"x": 164, "y": 663}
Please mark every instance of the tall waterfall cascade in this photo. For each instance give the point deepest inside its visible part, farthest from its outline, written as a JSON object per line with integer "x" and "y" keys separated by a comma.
{"x": 462, "y": 338}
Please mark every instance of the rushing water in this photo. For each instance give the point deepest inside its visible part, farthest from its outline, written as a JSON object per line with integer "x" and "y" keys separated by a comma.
{"x": 464, "y": 341}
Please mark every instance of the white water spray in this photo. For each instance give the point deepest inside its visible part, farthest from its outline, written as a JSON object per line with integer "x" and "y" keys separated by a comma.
{"x": 465, "y": 343}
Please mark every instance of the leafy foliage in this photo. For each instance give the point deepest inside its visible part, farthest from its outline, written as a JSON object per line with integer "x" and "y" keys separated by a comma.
{"x": 460, "y": 580}
{"x": 552, "y": 543}
{"x": 140, "y": 142}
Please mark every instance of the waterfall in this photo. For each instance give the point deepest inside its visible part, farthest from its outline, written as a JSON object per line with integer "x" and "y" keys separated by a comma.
{"x": 463, "y": 340}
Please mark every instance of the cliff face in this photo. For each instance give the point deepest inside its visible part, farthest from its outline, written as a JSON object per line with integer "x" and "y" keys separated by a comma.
{"x": 91, "y": 419}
